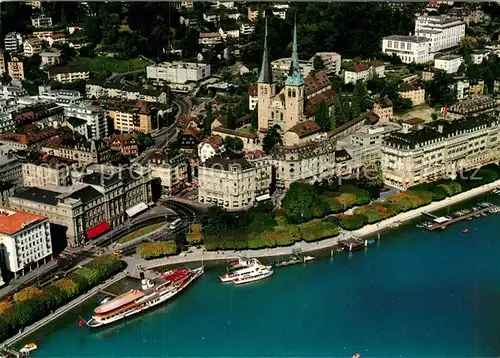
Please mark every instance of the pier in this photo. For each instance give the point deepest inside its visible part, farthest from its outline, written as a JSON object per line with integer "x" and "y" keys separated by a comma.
{"x": 445, "y": 224}
{"x": 352, "y": 243}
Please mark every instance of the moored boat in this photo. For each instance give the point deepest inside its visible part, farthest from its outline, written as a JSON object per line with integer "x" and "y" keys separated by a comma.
{"x": 309, "y": 259}
{"x": 465, "y": 231}
{"x": 151, "y": 295}
{"x": 28, "y": 348}
{"x": 256, "y": 271}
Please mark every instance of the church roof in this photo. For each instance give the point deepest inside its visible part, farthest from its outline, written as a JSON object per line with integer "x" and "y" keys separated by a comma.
{"x": 306, "y": 128}
{"x": 266, "y": 72}
{"x": 313, "y": 102}
{"x": 315, "y": 82}
{"x": 295, "y": 76}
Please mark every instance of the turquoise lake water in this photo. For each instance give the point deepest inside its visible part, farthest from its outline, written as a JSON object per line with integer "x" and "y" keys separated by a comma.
{"x": 411, "y": 294}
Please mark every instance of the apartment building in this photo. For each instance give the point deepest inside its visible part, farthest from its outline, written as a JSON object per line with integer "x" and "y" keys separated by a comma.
{"x": 462, "y": 89}
{"x": 311, "y": 162}
{"x": 12, "y": 41}
{"x": 364, "y": 71}
{"x": 32, "y": 46}
{"x": 408, "y": 48}
{"x": 135, "y": 117}
{"x": 230, "y": 182}
{"x": 16, "y": 69}
{"x": 178, "y": 72}
{"x": 383, "y": 108}
{"x": 25, "y": 241}
{"x": 364, "y": 145}
{"x": 210, "y": 147}
{"x": 209, "y": 39}
{"x": 52, "y": 171}
{"x": 50, "y": 58}
{"x": 448, "y": 63}
{"x": 63, "y": 98}
{"x": 172, "y": 170}
{"x": 476, "y": 88}
{"x": 247, "y": 29}
{"x": 440, "y": 150}
{"x": 413, "y": 91}
{"x": 64, "y": 74}
{"x": 332, "y": 61}
{"x": 41, "y": 21}
{"x": 96, "y": 89}
{"x": 127, "y": 144}
{"x": 3, "y": 69}
{"x": 11, "y": 170}
{"x": 478, "y": 56}
{"x": 93, "y": 115}
{"x": 475, "y": 105}
{"x": 442, "y": 32}
{"x": 85, "y": 152}
{"x": 282, "y": 66}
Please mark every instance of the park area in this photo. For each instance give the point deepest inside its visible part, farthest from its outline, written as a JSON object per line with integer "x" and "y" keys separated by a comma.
{"x": 101, "y": 64}
{"x": 141, "y": 232}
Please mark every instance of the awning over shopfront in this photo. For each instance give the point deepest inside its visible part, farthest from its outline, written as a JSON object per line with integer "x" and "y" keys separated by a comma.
{"x": 136, "y": 209}
{"x": 263, "y": 197}
{"x": 97, "y": 230}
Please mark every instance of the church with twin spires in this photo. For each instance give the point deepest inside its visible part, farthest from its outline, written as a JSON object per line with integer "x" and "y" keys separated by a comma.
{"x": 286, "y": 106}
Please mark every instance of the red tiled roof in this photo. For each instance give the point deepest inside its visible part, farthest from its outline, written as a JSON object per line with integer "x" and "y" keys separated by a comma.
{"x": 363, "y": 66}
{"x": 313, "y": 102}
{"x": 316, "y": 82}
{"x": 209, "y": 34}
{"x": 304, "y": 129}
{"x": 12, "y": 221}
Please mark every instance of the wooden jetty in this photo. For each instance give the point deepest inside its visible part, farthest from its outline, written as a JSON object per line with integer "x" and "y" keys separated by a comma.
{"x": 352, "y": 243}
{"x": 444, "y": 225}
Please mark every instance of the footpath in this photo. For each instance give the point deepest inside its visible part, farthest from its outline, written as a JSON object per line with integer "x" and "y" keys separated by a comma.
{"x": 62, "y": 310}
{"x": 201, "y": 255}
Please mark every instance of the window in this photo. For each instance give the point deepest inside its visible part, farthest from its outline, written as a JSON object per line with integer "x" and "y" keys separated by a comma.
{"x": 289, "y": 92}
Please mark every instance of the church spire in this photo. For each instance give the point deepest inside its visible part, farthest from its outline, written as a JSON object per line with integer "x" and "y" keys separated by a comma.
{"x": 266, "y": 74}
{"x": 295, "y": 76}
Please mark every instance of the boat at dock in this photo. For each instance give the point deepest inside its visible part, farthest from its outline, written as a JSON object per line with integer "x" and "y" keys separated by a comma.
{"x": 240, "y": 262}
{"x": 30, "y": 347}
{"x": 153, "y": 293}
{"x": 291, "y": 261}
{"x": 309, "y": 259}
{"x": 256, "y": 271}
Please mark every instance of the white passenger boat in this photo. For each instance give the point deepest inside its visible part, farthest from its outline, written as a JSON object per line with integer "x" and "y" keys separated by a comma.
{"x": 254, "y": 272}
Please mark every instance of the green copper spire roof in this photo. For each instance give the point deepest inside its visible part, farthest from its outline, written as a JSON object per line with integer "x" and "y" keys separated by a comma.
{"x": 266, "y": 73}
{"x": 295, "y": 76}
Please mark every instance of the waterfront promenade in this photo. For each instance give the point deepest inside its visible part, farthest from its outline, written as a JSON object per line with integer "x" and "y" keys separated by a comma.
{"x": 197, "y": 255}
{"x": 201, "y": 255}
{"x": 62, "y": 310}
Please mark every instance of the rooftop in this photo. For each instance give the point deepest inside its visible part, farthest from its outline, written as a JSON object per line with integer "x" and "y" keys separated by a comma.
{"x": 227, "y": 160}
{"x": 315, "y": 82}
{"x": 448, "y": 57}
{"x": 13, "y": 221}
{"x": 363, "y": 66}
{"x": 473, "y": 104}
{"x": 414, "y": 39}
{"x": 306, "y": 128}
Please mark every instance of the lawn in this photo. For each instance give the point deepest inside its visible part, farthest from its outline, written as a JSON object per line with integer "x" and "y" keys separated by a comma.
{"x": 141, "y": 232}
{"x": 102, "y": 63}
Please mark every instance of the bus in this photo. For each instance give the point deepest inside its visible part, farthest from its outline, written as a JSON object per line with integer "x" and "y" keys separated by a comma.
{"x": 175, "y": 224}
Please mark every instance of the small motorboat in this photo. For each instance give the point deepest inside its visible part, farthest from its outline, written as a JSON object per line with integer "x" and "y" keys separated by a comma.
{"x": 357, "y": 355}
{"x": 469, "y": 218}
{"x": 28, "y": 348}
{"x": 465, "y": 231}
{"x": 309, "y": 259}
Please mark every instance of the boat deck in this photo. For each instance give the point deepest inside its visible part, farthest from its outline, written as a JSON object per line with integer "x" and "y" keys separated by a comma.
{"x": 444, "y": 225}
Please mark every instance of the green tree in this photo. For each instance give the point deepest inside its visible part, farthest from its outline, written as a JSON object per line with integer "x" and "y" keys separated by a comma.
{"x": 145, "y": 140}
{"x": 209, "y": 118}
{"x": 441, "y": 90}
{"x": 340, "y": 110}
{"x": 255, "y": 118}
{"x": 322, "y": 117}
{"x": 318, "y": 63}
{"x": 234, "y": 143}
{"x": 272, "y": 138}
{"x": 302, "y": 203}
{"x": 358, "y": 103}
{"x": 230, "y": 119}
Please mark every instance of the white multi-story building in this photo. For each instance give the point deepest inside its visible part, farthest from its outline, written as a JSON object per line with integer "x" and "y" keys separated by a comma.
{"x": 178, "y": 72}
{"x": 479, "y": 56}
{"x": 442, "y": 31}
{"x": 63, "y": 98}
{"x": 32, "y": 46}
{"x": 408, "y": 48}
{"x": 56, "y": 171}
{"x": 448, "y": 63}
{"x": 65, "y": 75}
{"x": 364, "y": 71}
{"x": 247, "y": 29}
{"x": 12, "y": 41}
{"x": 41, "y": 21}
{"x": 210, "y": 148}
{"x": 440, "y": 150}
{"x": 94, "y": 115}
{"x": 50, "y": 58}
{"x": 462, "y": 88}
{"x": 282, "y": 65}
{"x": 25, "y": 241}
{"x": 332, "y": 60}
{"x": 172, "y": 171}
{"x": 232, "y": 183}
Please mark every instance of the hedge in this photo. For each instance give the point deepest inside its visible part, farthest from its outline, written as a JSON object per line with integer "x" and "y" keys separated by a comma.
{"x": 315, "y": 230}
{"x": 352, "y": 222}
{"x": 153, "y": 250}
{"x": 32, "y": 304}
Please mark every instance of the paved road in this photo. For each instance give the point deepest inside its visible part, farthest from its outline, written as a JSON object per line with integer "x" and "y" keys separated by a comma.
{"x": 184, "y": 104}
{"x": 119, "y": 77}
